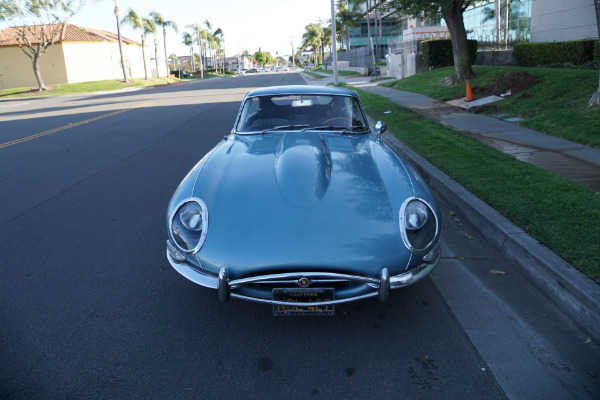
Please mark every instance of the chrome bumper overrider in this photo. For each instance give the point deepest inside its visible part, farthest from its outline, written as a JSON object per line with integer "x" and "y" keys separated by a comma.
{"x": 226, "y": 287}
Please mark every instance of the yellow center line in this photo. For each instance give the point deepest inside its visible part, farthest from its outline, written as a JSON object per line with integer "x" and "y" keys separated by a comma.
{"x": 70, "y": 125}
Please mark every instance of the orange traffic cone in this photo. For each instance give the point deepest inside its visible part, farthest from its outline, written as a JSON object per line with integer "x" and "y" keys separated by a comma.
{"x": 469, "y": 93}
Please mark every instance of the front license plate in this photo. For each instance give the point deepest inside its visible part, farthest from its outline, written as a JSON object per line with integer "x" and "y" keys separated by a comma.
{"x": 299, "y": 295}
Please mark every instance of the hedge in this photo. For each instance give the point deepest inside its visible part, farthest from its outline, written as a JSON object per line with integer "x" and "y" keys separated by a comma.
{"x": 438, "y": 53}
{"x": 577, "y": 52}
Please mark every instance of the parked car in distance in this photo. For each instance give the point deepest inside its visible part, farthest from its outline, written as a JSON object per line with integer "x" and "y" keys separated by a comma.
{"x": 308, "y": 207}
{"x": 252, "y": 71}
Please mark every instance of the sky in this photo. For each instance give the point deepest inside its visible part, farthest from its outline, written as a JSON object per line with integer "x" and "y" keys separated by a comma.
{"x": 271, "y": 25}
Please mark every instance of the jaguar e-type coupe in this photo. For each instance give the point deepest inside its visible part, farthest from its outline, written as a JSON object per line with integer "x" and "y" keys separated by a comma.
{"x": 303, "y": 206}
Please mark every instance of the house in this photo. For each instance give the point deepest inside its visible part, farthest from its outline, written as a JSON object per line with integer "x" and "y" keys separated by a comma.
{"x": 79, "y": 55}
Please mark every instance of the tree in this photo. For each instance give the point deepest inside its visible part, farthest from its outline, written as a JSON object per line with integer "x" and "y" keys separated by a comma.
{"x": 199, "y": 36}
{"x": 262, "y": 57}
{"x": 49, "y": 17}
{"x": 348, "y": 15}
{"x": 188, "y": 40}
{"x": 312, "y": 38}
{"x": 136, "y": 21}
{"x": 152, "y": 29}
{"x": 160, "y": 21}
{"x": 220, "y": 40}
{"x": 452, "y": 12}
{"x": 595, "y": 100}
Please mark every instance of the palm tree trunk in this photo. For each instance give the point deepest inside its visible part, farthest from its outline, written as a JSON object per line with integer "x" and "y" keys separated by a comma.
{"x": 156, "y": 56}
{"x": 166, "y": 59}
{"x": 144, "y": 58}
{"x": 120, "y": 41}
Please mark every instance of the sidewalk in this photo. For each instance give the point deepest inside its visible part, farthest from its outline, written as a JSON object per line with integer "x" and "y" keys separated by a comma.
{"x": 576, "y": 162}
{"x": 572, "y": 292}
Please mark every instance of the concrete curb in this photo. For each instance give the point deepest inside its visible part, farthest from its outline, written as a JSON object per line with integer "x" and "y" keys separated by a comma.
{"x": 568, "y": 289}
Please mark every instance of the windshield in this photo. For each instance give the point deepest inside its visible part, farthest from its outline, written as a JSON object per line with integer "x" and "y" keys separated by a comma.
{"x": 301, "y": 112}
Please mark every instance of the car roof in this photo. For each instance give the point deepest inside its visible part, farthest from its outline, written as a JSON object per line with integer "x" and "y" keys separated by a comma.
{"x": 302, "y": 89}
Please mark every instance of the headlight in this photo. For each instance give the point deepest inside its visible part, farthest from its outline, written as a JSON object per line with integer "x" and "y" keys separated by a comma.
{"x": 418, "y": 225}
{"x": 188, "y": 225}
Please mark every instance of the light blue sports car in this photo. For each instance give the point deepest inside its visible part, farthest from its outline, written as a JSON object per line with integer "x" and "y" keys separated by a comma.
{"x": 303, "y": 207}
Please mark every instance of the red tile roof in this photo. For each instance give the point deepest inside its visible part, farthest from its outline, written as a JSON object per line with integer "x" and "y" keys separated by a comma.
{"x": 69, "y": 33}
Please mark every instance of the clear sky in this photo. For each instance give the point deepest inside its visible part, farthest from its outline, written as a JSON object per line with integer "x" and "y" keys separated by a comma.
{"x": 247, "y": 24}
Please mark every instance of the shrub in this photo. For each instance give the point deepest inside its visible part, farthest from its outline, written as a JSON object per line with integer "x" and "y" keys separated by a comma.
{"x": 576, "y": 52}
{"x": 438, "y": 53}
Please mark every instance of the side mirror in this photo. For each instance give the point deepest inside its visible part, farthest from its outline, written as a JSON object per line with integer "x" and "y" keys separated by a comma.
{"x": 380, "y": 127}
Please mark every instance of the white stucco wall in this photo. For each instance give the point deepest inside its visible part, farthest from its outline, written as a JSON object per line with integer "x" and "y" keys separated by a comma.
{"x": 97, "y": 61}
{"x": 560, "y": 20}
{"x": 73, "y": 62}
{"x": 16, "y": 69}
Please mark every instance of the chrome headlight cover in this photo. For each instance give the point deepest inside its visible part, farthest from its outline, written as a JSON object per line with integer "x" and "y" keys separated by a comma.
{"x": 188, "y": 224}
{"x": 419, "y": 225}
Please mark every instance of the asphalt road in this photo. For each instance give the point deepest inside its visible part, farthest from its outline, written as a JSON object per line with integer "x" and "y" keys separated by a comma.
{"x": 90, "y": 308}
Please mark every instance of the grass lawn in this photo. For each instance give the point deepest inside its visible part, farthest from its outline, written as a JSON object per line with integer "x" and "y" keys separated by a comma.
{"x": 556, "y": 105}
{"x": 313, "y": 75}
{"x": 83, "y": 87}
{"x": 340, "y": 72}
{"x": 562, "y": 215}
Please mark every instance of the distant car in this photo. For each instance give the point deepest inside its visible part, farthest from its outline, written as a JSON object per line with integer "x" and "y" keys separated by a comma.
{"x": 252, "y": 71}
{"x": 308, "y": 207}
{"x": 186, "y": 75}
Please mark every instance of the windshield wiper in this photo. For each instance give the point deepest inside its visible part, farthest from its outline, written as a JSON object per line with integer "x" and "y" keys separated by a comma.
{"x": 284, "y": 127}
{"x": 356, "y": 129}
{"x": 324, "y": 128}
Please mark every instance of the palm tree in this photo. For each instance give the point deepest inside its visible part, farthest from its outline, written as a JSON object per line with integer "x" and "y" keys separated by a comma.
{"x": 199, "y": 33}
{"x": 210, "y": 39}
{"x": 152, "y": 28}
{"x": 160, "y": 21}
{"x": 325, "y": 41}
{"x": 132, "y": 18}
{"x": 220, "y": 40}
{"x": 120, "y": 43}
{"x": 348, "y": 12}
{"x": 188, "y": 40}
{"x": 312, "y": 38}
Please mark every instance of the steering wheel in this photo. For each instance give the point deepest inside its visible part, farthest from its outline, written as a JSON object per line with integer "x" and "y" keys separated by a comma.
{"x": 335, "y": 118}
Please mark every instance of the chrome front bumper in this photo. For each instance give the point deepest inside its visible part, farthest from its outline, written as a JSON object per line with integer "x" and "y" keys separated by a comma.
{"x": 226, "y": 287}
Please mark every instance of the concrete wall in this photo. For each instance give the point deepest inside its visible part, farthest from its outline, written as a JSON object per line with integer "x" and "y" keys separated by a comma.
{"x": 405, "y": 64}
{"x": 560, "y": 20}
{"x": 495, "y": 57}
{"x": 16, "y": 69}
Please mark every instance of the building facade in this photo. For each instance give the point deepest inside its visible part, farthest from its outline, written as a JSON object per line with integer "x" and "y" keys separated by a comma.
{"x": 493, "y": 24}
{"x": 80, "y": 55}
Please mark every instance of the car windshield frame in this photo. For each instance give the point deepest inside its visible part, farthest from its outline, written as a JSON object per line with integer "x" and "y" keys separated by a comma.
{"x": 321, "y": 112}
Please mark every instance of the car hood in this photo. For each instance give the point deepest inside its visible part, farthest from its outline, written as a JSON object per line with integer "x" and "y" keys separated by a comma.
{"x": 303, "y": 201}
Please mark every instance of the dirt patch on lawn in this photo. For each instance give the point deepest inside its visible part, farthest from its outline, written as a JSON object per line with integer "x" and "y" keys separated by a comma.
{"x": 512, "y": 82}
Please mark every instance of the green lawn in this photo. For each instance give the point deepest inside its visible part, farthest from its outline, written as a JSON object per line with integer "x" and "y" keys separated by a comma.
{"x": 562, "y": 215}
{"x": 556, "y": 105}
{"x": 313, "y": 75}
{"x": 341, "y": 72}
{"x": 83, "y": 87}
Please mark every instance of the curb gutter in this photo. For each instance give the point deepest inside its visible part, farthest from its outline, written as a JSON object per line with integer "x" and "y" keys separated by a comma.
{"x": 569, "y": 290}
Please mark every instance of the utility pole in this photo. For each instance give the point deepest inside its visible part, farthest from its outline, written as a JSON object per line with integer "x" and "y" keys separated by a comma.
{"x": 293, "y": 54}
